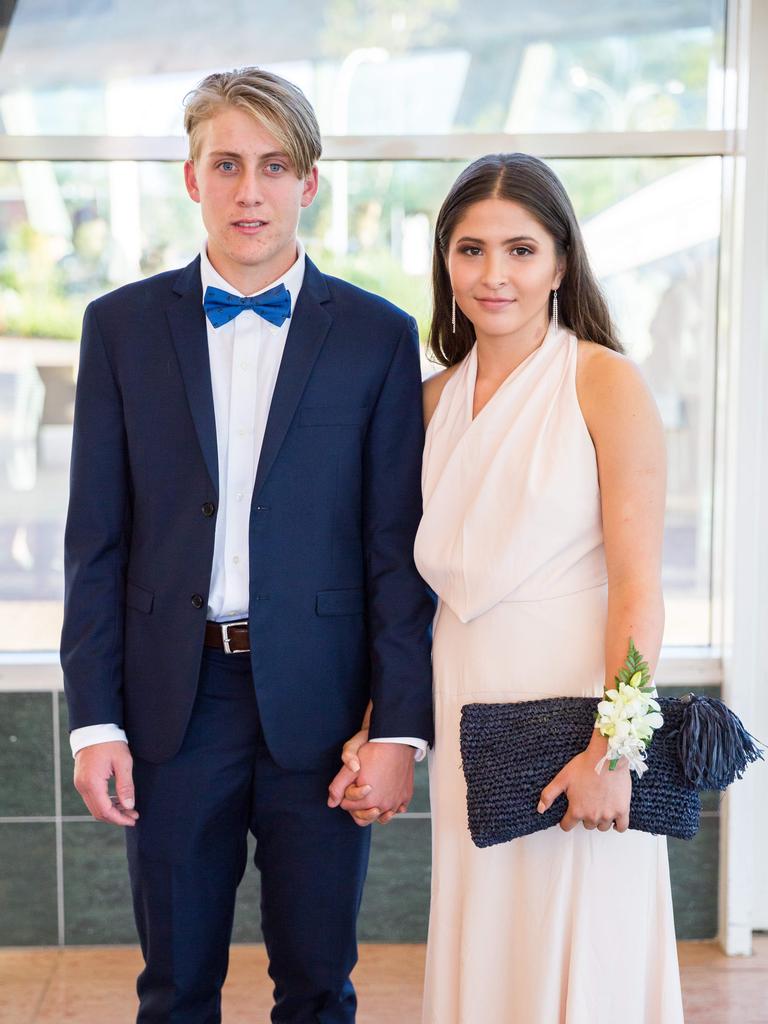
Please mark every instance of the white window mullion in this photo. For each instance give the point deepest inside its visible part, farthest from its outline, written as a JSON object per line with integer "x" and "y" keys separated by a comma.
{"x": 460, "y": 147}
{"x": 743, "y": 480}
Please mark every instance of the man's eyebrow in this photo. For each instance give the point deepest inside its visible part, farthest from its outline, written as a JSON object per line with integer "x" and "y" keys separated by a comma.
{"x": 276, "y": 153}
{"x": 229, "y": 154}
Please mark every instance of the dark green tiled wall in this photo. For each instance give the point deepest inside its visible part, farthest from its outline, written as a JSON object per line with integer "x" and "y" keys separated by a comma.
{"x": 247, "y": 914}
{"x": 693, "y": 868}
{"x": 96, "y": 894}
{"x": 396, "y": 900}
{"x": 26, "y": 755}
{"x": 71, "y": 802}
{"x": 420, "y": 802}
{"x": 28, "y": 914}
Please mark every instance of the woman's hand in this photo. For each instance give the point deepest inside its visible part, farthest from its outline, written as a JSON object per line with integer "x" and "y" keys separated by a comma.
{"x": 597, "y": 801}
{"x": 351, "y": 747}
{"x": 347, "y": 775}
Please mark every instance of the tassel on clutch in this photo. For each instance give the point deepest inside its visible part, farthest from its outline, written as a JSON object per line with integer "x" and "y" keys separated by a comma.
{"x": 702, "y": 745}
{"x": 713, "y": 746}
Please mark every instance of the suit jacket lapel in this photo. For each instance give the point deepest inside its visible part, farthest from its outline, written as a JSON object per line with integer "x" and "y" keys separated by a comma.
{"x": 187, "y": 323}
{"x": 310, "y": 322}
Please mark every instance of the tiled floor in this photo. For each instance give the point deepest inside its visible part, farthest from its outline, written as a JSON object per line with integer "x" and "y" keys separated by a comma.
{"x": 95, "y": 985}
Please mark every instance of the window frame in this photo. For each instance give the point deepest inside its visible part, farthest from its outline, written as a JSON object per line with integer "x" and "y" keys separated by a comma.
{"x": 679, "y": 664}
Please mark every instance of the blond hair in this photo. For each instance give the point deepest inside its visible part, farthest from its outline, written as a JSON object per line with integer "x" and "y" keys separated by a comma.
{"x": 279, "y": 106}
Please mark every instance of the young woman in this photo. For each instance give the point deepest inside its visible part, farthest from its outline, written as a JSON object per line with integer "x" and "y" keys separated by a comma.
{"x": 543, "y": 489}
{"x": 543, "y": 485}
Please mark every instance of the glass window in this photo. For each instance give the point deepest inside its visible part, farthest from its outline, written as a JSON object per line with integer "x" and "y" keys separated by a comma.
{"x": 372, "y": 66}
{"x": 69, "y": 232}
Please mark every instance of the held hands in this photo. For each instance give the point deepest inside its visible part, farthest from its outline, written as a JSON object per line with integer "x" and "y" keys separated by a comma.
{"x": 597, "y": 801}
{"x": 344, "y": 782}
{"x": 94, "y": 767}
{"x": 376, "y": 781}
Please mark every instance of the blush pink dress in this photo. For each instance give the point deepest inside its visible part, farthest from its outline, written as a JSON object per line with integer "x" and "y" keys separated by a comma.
{"x": 553, "y": 928}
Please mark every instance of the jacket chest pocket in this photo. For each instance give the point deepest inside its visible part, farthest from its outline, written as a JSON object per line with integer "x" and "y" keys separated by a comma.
{"x": 332, "y": 416}
{"x": 340, "y": 602}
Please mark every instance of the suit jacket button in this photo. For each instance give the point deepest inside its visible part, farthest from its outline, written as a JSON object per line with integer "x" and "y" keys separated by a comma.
{"x": 208, "y": 509}
{"x": 197, "y": 600}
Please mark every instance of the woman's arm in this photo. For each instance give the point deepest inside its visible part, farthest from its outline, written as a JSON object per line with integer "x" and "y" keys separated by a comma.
{"x": 626, "y": 431}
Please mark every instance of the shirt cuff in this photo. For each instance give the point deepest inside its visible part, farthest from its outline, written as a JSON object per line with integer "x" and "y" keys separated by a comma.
{"x": 421, "y": 745}
{"x": 90, "y": 735}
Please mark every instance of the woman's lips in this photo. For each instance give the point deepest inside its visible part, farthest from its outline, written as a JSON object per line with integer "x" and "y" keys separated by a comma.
{"x": 495, "y": 304}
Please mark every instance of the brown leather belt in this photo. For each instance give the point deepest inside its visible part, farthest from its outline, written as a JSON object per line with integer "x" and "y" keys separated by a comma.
{"x": 231, "y": 637}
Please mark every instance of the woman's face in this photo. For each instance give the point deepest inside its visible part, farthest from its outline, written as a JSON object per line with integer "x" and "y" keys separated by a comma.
{"x": 503, "y": 266}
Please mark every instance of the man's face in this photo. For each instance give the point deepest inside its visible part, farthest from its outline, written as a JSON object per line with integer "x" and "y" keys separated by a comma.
{"x": 250, "y": 199}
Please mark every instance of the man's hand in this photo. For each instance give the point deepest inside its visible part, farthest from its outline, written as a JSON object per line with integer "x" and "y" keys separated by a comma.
{"x": 94, "y": 767}
{"x": 384, "y": 784}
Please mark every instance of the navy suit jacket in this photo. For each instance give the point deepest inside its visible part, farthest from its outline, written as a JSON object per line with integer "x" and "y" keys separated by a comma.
{"x": 337, "y": 610}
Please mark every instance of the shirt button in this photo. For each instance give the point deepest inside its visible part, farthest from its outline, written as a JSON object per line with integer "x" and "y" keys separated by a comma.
{"x": 244, "y": 365}
{"x": 239, "y": 496}
{"x": 236, "y": 559}
{"x": 197, "y": 601}
{"x": 242, "y": 432}
{"x": 208, "y": 509}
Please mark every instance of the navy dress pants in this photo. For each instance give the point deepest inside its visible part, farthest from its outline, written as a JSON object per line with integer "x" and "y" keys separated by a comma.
{"x": 188, "y": 853}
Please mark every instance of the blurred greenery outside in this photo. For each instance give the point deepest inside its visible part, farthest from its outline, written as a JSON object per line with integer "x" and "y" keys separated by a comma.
{"x": 46, "y": 279}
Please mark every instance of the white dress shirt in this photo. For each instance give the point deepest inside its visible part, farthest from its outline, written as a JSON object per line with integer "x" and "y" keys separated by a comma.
{"x": 245, "y": 356}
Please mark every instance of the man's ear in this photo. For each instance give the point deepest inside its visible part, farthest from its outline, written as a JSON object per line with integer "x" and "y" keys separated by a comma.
{"x": 311, "y": 184}
{"x": 190, "y": 180}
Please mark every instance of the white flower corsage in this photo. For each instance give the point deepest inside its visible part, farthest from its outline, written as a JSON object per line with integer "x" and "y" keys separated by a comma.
{"x": 628, "y": 715}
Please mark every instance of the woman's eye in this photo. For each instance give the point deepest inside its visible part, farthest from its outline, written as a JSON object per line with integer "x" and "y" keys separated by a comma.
{"x": 522, "y": 250}
{"x": 471, "y": 250}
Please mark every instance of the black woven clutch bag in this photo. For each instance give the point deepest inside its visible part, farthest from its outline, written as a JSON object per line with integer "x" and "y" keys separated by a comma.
{"x": 702, "y": 745}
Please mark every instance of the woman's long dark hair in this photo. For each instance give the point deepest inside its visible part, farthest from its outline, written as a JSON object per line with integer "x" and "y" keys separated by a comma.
{"x": 528, "y": 181}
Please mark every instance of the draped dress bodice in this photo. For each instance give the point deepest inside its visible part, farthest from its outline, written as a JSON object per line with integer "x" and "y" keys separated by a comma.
{"x": 511, "y": 497}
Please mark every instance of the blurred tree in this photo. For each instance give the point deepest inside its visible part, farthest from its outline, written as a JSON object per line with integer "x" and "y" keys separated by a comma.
{"x": 398, "y": 25}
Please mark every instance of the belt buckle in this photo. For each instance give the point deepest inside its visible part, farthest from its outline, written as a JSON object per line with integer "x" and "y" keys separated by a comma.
{"x": 225, "y": 627}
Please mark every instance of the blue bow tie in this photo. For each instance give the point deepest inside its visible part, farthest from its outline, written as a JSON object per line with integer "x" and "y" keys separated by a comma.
{"x": 221, "y": 307}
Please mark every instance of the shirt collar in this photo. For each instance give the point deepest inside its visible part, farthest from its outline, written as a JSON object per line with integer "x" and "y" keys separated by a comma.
{"x": 293, "y": 278}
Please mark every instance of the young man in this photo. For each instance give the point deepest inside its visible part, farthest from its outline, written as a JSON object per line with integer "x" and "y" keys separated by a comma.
{"x": 239, "y": 576}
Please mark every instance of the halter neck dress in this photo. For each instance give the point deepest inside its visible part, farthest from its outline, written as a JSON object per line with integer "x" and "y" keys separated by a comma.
{"x": 553, "y": 928}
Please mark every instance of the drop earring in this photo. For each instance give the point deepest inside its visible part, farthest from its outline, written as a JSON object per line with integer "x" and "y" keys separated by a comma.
{"x": 453, "y": 313}
{"x": 555, "y": 321}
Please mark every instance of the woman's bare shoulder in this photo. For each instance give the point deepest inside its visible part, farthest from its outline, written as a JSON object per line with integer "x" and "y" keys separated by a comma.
{"x": 600, "y": 367}
{"x": 600, "y": 359}
{"x": 432, "y": 388}
{"x": 610, "y": 386}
